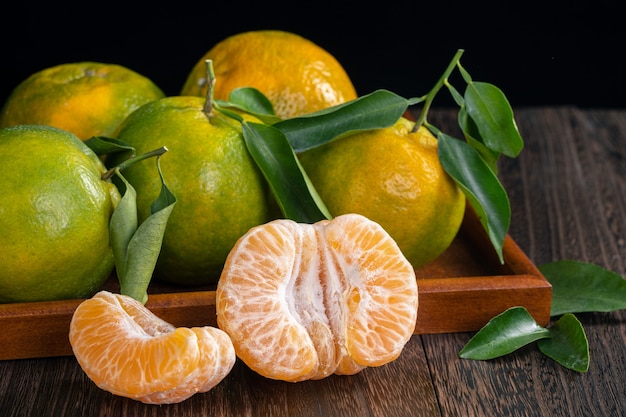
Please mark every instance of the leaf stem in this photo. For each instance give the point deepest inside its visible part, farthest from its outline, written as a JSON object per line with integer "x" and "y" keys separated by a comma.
{"x": 433, "y": 92}
{"x": 208, "y": 104}
{"x": 111, "y": 171}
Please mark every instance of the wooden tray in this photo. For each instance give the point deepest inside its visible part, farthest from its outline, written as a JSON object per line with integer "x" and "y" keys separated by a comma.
{"x": 460, "y": 291}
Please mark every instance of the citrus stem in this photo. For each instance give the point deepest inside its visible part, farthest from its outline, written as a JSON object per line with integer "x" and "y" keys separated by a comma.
{"x": 156, "y": 152}
{"x": 208, "y": 104}
{"x": 433, "y": 92}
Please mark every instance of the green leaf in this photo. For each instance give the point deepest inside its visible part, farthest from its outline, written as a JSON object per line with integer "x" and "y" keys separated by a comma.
{"x": 567, "y": 344}
{"x": 145, "y": 245}
{"x": 136, "y": 249}
{"x": 290, "y": 185}
{"x": 376, "y": 110}
{"x": 582, "y": 287}
{"x": 491, "y": 113}
{"x": 166, "y": 199}
{"x": 472, "y": 136}
{"x": 123, "y": 224}
{"x": 102, "y": 145}
{"x": 481, "y": 186}
{"x": 252, "y": 101}
{"x": 504, "y": 334}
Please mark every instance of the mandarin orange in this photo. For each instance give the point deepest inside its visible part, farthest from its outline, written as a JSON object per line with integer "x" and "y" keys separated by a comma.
{"x": 55, "y": 216}
{"x": 219, "y": 189}
{"x": 303, "y": 301}
{"x": 127, "y": 350}
{"x": 392, "y": 176}
{"x": 297, "y": 75}
{"x": 85, "y": 98}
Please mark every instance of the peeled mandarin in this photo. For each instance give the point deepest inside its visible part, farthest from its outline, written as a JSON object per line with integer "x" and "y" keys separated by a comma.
{"x": 304, "y": 301}
{"x": 127, "y": 350}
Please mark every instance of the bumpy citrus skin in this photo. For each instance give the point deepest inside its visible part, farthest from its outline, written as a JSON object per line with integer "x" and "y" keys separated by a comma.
{"x": 296, "y": 75}
{"x": 219, "y": 190}
{"x": 304, "y": 301}
{"x": 85, "y": 98}
{"x": 55, "y": 213}
{"x": 127, "y": 350}
{"x": 394, "y": 178}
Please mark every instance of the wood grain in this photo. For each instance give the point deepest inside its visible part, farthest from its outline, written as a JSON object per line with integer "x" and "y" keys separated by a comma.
{"x": 568, "y": 194}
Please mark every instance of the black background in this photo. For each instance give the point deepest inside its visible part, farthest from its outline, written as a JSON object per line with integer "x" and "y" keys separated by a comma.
{"x": 544, "y": 53}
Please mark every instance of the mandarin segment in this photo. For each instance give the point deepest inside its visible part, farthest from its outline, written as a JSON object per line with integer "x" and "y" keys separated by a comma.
{"x": 269, "y": 336}
{"x": 127, "y": 350}
{"x": 381, "y": 302}
{"x": 303, "y": 301}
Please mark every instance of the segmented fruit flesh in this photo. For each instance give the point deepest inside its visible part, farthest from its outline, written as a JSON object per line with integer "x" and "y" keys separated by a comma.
{"x": 126, "y": 350}
{"x": 303, "y": 301}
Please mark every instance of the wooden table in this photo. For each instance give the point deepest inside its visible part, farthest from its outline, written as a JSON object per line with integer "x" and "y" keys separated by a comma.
{"x": 568, "y": 196}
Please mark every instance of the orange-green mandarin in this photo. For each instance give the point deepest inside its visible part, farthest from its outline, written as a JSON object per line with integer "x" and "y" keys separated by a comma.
{"x": 86, "y": 98}
{"x": 393, "y": 177}
{"x": 54, "y": 216}
{"x": 219, "y": 190}
{"x": 297, "y": 75}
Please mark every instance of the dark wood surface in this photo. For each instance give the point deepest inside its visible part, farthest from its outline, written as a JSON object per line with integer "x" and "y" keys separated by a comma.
{"x": 568, "y": 197}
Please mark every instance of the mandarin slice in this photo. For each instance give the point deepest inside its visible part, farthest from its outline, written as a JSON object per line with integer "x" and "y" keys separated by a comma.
{"x": 127, "y": 350}
{"x": 304, "y": 301}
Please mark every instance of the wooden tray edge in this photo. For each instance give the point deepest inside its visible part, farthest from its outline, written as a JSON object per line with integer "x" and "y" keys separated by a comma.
{"x": 486, "y": 296}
